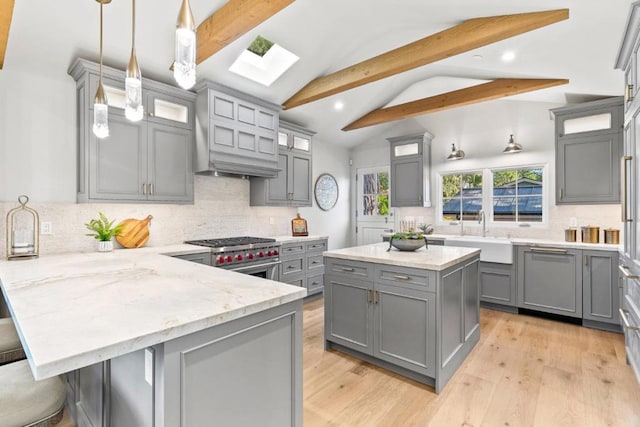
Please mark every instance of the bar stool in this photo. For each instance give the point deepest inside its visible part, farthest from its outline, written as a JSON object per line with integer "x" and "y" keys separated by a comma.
{"x": 25, "y": 402}
{"x": 10, "y": 346}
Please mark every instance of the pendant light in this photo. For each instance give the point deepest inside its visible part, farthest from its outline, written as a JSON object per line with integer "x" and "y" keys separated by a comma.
{"x": 133, "y": 109}
{"x": 512, "y": 147}
{"x": 455, "y": 154}
{"x": 100, "y": 107}
{"x": 184, "y": 67}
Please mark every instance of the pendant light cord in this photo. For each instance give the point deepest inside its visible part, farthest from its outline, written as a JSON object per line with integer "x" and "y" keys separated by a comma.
{"x": 101, "y": 42}
{"x": 133, "y": 26}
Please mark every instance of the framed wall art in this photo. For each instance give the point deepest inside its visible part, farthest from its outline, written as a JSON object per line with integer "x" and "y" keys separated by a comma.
{"x": 326, "y": 191}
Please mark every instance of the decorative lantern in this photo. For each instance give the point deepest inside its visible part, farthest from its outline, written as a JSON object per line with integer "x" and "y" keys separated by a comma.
{"x": 23, "y": 230}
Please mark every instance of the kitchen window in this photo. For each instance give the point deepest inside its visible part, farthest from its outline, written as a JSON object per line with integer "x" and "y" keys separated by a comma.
{"x": 508, "y": 196}
{"x": 517, "y": 195}
{"x": 461, "y": 196}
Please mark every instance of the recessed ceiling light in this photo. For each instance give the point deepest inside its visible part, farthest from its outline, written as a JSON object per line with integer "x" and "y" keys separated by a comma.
{"x": 508, "y": 56}
{"x": 339, "y": 105}
{"x": 477, "y": 57}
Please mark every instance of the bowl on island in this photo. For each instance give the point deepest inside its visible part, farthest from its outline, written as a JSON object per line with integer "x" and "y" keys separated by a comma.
{"x": 407, "y": 241}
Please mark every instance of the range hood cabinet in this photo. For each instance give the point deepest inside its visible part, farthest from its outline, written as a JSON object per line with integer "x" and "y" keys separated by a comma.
{"x": 235, "y": 133}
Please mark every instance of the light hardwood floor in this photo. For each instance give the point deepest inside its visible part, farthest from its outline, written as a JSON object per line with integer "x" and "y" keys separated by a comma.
{"x": 525, "y": 371}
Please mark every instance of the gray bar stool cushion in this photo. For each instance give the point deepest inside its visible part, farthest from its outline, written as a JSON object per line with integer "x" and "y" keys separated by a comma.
{"x": 10, "y": 346}
{"x": 26, "y": 402}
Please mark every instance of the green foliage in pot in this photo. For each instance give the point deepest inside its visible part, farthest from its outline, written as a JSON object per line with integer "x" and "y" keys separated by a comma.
{"x": 102, "y": 228}
{"x": 407, "y": 235}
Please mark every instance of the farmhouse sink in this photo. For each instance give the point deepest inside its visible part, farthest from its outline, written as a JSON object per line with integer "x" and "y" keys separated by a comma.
{"x": 492, "y": 249}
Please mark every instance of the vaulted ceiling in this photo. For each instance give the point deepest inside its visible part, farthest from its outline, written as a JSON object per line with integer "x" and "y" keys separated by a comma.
{"x": 329, "y": 35}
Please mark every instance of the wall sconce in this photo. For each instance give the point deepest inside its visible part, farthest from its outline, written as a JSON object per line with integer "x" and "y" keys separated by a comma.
{"x": 23, "y": 231}
{"x": 512, "y": 147}
{"x": 455, "y": 154}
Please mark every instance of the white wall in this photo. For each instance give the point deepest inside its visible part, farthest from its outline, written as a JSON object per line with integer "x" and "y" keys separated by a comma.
{"x": 482, "y": 131}
{"x": 335, "y": 222}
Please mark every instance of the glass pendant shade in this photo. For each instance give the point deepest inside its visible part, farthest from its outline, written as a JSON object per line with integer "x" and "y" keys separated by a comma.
{"x": 100, "y": 113}
{"x": 184, "y": 67}
{"x": 455, "y": 154}
{"x": 133, "y": 109}
{"x": 512, "y": 147}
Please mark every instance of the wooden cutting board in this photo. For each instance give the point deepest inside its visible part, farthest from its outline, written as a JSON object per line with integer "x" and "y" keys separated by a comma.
{"x": 134, "y": 232}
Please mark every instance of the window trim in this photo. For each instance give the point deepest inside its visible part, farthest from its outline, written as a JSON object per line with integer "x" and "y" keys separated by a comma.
{"x": 487, "y": 198}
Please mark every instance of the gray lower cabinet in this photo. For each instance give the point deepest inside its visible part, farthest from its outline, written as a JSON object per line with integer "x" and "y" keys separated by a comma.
{"x": 292, "y": 185}
{"x": 146, "y": 161}
{"x": 205, "y": 378}
{"x": 630, "y": 311}
{"x": 497, "y": 284}
{"x": 600, "y": 287}
{"x": 302, "y": 264}
{"x": 417, "y": 322}
{"x": 550, "y": 280}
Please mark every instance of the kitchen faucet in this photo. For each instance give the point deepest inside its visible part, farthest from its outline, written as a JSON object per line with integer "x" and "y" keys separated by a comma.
{"x": 482, "y": 220}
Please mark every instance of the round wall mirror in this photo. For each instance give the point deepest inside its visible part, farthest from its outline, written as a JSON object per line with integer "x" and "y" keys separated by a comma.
{"x": 326, "y": 191}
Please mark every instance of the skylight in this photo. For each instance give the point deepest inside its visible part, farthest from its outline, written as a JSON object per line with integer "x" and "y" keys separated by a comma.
{"x": 263, "y": 61}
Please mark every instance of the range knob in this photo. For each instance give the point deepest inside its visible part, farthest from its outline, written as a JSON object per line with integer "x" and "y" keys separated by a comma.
{"x": 250, "y": 256}
{"x": 239, "y": 257}
{"x": 275, "y": 252}
{"x": 229, "y": 258}
{"x": 269, "y": 253}
{"x": 260, "y": 254}
{"x": 220, "y": 260}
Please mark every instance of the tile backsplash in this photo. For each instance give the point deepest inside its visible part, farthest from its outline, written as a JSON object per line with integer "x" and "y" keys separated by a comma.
{"x": 221, "y": 209}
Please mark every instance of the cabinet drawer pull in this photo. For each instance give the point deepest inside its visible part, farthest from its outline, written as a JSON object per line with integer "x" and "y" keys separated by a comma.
{"x": 144, "y": 188}
{"x": 586, "y": 260}
{"x": 288, "y": 249}
{"x": 314, "y": 262}
{"x": 347, "y": 269}
{"x": 549, "y": 250}
{"x": 625, "y": 321}
{"x": 397, "y": 276}
{"x": 150, "y": 188}
{"x": 623, "y": 187}
{"x": 625, "y": 271}
{"x": 369, "y": 295}
{"x": 314, "y": 283}
{"x": 291, "y": 266}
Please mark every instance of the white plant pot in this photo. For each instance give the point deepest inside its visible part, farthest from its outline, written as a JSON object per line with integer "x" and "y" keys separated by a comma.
{"x": 105, "y": 246}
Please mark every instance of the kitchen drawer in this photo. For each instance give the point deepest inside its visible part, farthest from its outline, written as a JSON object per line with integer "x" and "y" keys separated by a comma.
{"x": 315, "y": 264}
{"x": 317, "y": 246}
{"x": 291, "y": 267}
{"x": 291, "y": 249}
{"x": 300, "y": 281}
{"x": 315, "y": 284}
{"x": 352, "y": 269}
{"x": 200, "y": 258}
{"x": 413, "y": 278}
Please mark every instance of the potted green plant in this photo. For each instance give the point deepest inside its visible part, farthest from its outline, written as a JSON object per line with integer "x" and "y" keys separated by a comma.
{"x": 103, "y": 231}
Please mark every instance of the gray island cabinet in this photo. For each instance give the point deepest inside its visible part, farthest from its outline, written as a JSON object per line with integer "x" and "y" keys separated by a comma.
{"x": 415, "y": 313}
{"x": 150, "y": 340}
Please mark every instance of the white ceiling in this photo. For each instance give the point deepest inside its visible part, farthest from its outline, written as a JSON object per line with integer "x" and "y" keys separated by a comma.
{"x": 332, "y": 34}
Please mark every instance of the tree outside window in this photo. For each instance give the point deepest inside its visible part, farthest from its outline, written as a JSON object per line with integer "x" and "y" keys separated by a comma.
{"x": 461, "y": 196}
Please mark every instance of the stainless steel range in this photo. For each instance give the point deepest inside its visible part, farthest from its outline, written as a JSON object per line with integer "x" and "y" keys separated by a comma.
{"x": 257, "y": 256}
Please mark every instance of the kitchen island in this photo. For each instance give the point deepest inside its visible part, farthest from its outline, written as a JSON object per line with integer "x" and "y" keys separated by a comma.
{"x": 149, "y": 340}
{"x": 415, "y": 313}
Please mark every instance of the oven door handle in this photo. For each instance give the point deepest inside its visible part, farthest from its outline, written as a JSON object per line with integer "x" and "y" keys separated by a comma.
{"x": 254, "y": 266}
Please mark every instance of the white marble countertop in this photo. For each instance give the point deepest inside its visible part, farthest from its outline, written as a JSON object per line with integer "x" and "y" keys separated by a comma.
{"x": 292, "y": 239}
{"x": 76, "y": 309}
{"x": 529, "y": 241}
{"x": 435, "y": 258}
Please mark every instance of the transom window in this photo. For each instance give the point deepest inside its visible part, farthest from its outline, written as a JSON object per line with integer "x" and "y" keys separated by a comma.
{"x": 511, "y": 195}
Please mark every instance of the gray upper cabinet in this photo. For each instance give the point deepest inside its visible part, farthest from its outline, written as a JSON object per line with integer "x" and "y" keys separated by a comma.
{"x": 410, "y": 170}
{"x": 146, "y": 161}
{"x": 236, "y": 133}
{"x": 550, "y": 280}
{"x": 292, "y": 185}
{"x": 600, "y": 286}
{"x": 588, "y": 149}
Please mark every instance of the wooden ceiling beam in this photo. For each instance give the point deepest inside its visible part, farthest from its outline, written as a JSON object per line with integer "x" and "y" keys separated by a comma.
{"x": 464, "y": 37}
{"x": 6, "y": 13}
{"x": 484, "y": 92}
{"x": 231, "y": 21}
